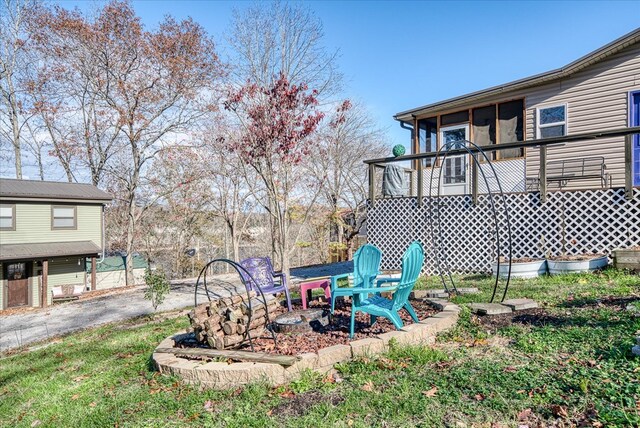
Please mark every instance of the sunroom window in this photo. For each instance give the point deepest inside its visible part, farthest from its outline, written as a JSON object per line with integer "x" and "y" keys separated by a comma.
{"x": 552, "y": 121}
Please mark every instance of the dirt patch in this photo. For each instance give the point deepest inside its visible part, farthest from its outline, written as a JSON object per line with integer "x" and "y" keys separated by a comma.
{"x": 576, "y": 258}
{"x": 529, "y": 317}
{"x": 337, "y": 331}
{"x": 520, "y": 260}
{"x": 299, "y": 404}
{"x": 616, "y": 303}
{"x": 539, "y": 317}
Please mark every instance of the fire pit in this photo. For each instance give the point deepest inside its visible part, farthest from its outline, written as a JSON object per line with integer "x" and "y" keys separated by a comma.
{"x": 301, "y": 321}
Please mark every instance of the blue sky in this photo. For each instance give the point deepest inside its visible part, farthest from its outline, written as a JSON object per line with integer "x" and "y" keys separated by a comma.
{"x": 399, "y": 55}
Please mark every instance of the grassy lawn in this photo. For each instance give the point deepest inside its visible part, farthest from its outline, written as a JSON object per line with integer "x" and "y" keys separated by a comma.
{"x": 569, "y": 364}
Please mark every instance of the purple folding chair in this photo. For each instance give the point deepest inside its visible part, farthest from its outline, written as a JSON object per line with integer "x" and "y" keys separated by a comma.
{"x": 261, "y": 270}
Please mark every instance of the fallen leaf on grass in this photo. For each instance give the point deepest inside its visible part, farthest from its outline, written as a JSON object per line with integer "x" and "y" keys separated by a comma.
{"x": 92, "y": 404}
{"x": 430, "y": 393}
{"x": 523, "y": 415}
{"x": 510, "y": 369}
{"x": 479, "y": 397}
{"x": 288, "y": 394}
{"x": 75, "y": 396}
{"x": 367, "y": 386}
{"x": 560, "y": 411}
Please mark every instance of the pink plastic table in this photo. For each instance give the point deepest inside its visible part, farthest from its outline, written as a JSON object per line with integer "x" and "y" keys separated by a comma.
{"x": 313, "y": 283}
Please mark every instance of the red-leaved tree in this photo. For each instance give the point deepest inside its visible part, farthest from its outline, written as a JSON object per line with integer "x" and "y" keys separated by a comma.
{"x": 278, "y": 122}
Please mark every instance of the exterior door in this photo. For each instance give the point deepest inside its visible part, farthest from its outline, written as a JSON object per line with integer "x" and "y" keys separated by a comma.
{"x": 634, "y": 120}
{"x": 454, "y": 174}
{"x": 17, "y": 284}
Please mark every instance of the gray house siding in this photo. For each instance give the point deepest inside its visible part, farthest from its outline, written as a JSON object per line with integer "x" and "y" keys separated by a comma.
{"x": 597, "y": 99}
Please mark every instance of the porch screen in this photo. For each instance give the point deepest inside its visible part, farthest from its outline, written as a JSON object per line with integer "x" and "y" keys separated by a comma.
{"x": 454, "y": 118}
{"x": 484, "y": 127}
{"x": 511, "y": 124}
{"x": 427, "y": 135}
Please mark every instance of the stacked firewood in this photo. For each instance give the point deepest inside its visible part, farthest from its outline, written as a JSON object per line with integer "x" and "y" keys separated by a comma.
{"x": 225, "y": 323}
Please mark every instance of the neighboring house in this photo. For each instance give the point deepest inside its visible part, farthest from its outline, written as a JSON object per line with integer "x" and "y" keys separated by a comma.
{"x": 598, "y": 92}
{"x": 47, "y": 232}
{"x": 110, "y": 272}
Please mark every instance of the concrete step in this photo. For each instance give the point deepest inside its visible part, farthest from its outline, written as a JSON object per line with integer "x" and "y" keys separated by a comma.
{"x": 489, "y": 309}
{"x": 520, "y": 304}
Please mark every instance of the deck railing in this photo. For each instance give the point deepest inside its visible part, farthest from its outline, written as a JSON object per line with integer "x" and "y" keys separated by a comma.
{"x": 542, "y": 143}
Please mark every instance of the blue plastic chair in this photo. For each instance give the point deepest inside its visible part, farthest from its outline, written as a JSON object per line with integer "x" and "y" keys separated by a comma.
{"x": 377, "y": 305}
{"x": 366, "y": 266}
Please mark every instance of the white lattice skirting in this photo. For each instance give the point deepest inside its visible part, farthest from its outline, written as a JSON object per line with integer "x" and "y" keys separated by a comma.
{"x": 570, "y": 222}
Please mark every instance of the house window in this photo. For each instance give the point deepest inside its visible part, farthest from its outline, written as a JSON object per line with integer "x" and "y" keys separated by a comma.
{"x": 63, "y": 217}
{"x": 552, "y": 121}
{"x": 454, "y": 170}
{"x": 7, "y": 217}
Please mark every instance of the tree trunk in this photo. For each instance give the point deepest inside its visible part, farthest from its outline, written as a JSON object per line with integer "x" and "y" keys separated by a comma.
{"x": 131, "y": 223}
{"x": 16, "y": 146}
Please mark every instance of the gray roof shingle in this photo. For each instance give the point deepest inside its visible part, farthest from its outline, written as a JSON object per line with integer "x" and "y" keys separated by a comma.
{"x": 50, "y": 190}
{"x": 47, "y": 249}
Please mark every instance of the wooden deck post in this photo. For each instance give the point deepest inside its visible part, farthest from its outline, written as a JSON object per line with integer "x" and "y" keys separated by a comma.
{"x": 44, "y": 292}
{"x": 419, "y": 181}
{"x": 628, "y": 167}
{"x": 474, "y": 181}
{"x": 93, "y": 273}
{"x": 543, "y": 173}
{"x": 372, "y": 185}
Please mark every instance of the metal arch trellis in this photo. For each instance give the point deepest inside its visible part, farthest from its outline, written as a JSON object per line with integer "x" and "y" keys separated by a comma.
{"x": 238, "y": 267}
{"x": 434, "y": 212}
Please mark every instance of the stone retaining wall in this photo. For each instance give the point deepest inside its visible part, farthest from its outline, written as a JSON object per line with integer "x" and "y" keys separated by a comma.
{"x": 222, "y": 375}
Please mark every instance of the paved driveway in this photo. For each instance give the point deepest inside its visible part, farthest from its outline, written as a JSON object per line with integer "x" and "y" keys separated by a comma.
{"x": 23, "y": 328}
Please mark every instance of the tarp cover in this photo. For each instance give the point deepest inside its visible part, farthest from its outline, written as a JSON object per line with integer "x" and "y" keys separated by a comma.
{"x": 393, "y": 181}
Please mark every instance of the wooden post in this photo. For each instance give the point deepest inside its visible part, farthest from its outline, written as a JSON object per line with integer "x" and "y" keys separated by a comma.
{"x": 419, "y": 182}
{"x": 474, "y": 181}
{"x": 372, "y": 185}
{"x": 93, "y": 273}
{"x": 543, "y": 173}
{"x": 628, "y": 167}
{"x": 44, "y": 293}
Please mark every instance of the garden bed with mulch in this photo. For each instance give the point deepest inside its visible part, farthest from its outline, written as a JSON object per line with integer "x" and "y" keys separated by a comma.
{"x": 337, "y": 331}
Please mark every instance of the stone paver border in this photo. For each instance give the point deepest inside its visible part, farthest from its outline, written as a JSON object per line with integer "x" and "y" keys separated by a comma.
{"x": 222, "y": 375}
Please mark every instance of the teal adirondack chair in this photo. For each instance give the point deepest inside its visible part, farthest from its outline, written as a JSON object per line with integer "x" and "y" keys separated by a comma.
{"x": 366, "y": 266}
{"x": 377, "y": 305}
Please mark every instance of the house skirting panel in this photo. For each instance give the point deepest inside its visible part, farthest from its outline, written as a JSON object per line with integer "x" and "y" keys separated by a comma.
{"x": 569, "y": 222}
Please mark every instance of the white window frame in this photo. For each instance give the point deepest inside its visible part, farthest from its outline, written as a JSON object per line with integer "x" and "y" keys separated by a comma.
{"x": 12, "y": 207}
{"x": 548, "y": 125}
{"x": 53, "y": 217}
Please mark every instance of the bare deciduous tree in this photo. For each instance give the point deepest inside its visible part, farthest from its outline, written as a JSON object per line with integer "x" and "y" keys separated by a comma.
{"x": 273, "y": 38}
{"x": 158, "y": 84}
{"x": 16, "y": 61}
{"x": 347, "y": 139}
